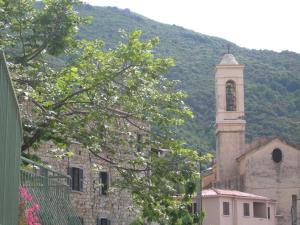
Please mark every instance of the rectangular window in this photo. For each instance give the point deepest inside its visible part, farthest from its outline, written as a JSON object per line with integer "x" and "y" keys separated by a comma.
{"x": 81, "y": 220}
{"x": 139, "y": 142}
{"x": 195, "y": 208}
{"x": 259, "y": 210}
{"x": 226, "y": 211}
{"x": 246, "y": 209}
{"x": 269, "y": 213}
{"x": 103, "y": 221}
{"x": 77, "y": 178}
{"x": 104, "y": 181}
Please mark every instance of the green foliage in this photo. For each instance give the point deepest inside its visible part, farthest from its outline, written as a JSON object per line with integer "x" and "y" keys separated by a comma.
{"x": 272, "y": 80}
{"x": 103, "y": 98}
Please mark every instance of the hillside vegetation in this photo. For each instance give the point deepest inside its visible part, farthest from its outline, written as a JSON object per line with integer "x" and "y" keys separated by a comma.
{"x": 272, "y": 80}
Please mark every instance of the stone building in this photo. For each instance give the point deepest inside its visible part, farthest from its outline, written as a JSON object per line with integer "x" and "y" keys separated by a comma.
{"x": 93, "y": 196}
{"x": 93, "y": 193}
{"x": 266, "y": 166}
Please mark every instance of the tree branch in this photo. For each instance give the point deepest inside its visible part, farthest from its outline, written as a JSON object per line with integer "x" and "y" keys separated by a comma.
{"x": 114, "y": 164}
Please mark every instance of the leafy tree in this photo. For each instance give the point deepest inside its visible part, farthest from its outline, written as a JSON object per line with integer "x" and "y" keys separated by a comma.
{"x": 103, "y": 99}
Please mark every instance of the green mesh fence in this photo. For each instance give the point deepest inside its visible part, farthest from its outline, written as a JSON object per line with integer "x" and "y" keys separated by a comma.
{"x": 10, "y": 148}
{"x": 51, "y": 190}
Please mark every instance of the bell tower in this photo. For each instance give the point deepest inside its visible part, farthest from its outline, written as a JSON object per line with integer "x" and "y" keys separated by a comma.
{"x": 230, "y": 123}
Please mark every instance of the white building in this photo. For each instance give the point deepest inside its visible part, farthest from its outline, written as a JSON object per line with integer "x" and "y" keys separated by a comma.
{"x": 227, "y": 207}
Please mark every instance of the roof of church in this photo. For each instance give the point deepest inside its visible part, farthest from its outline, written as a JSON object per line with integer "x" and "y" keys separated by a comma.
{"x": 228, "y": 59}
{"x": 214, "y": 192}
{"x": 262, "y": 141}
{"x": 258, "y": 142}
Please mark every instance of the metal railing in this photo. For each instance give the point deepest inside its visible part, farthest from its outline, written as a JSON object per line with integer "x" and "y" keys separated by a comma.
{"x": 51, "y": 190}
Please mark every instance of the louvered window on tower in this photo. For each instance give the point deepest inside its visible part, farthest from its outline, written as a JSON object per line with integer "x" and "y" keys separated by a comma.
{"x": 77, "y": 178}
{"x": 230, "y": 96}
{"x": 104, "y": 181}
{"x": 103, "y": 221}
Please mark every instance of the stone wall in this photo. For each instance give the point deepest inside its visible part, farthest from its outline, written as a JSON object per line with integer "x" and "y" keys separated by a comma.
{"x": 90, "y": 204}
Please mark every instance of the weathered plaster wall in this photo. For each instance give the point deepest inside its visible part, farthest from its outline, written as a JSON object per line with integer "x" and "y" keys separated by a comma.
{"x": 228, "y": 149}
{"x": 278, "y": 181}
{"x": 211, "y": 209}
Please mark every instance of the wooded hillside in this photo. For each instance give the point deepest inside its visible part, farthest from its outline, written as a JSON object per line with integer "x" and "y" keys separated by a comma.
{"x": 272, "y": 80}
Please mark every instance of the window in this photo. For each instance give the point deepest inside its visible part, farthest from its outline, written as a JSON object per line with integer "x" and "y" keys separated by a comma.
{"x": 230, "y": 96}
{"x": 226, "y": 211}
{"x": 77, "y": 178}
{"x": 277, "y": 155}
{"x": 259, "y": 210}
{"x": 246, "y": 209}
{"x": 103, "y": 221}
{"x": 81, "y": 220}
{"x": 195, "y": 208}
{"x": 104, "y": 181}
{"x": 139, "y": 142}
{"x": 269, "y": 213}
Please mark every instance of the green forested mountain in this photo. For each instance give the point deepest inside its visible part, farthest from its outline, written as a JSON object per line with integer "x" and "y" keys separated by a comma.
{"x": 272, "y": 80}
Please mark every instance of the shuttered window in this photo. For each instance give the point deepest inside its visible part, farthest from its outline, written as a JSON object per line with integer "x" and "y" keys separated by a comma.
{"x": 104, "y": 181}
{"x": 77, "y": 178}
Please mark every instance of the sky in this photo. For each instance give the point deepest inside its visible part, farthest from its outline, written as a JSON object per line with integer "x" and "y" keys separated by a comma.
{"x": 254, "y": 24}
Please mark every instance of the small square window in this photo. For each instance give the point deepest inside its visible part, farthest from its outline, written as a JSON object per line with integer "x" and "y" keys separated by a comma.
{"x": 226, "y": 211}
{"x": 246, "y": 209}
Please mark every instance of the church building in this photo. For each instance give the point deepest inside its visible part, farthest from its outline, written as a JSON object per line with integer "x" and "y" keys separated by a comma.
{"x": 268, "y": 166}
